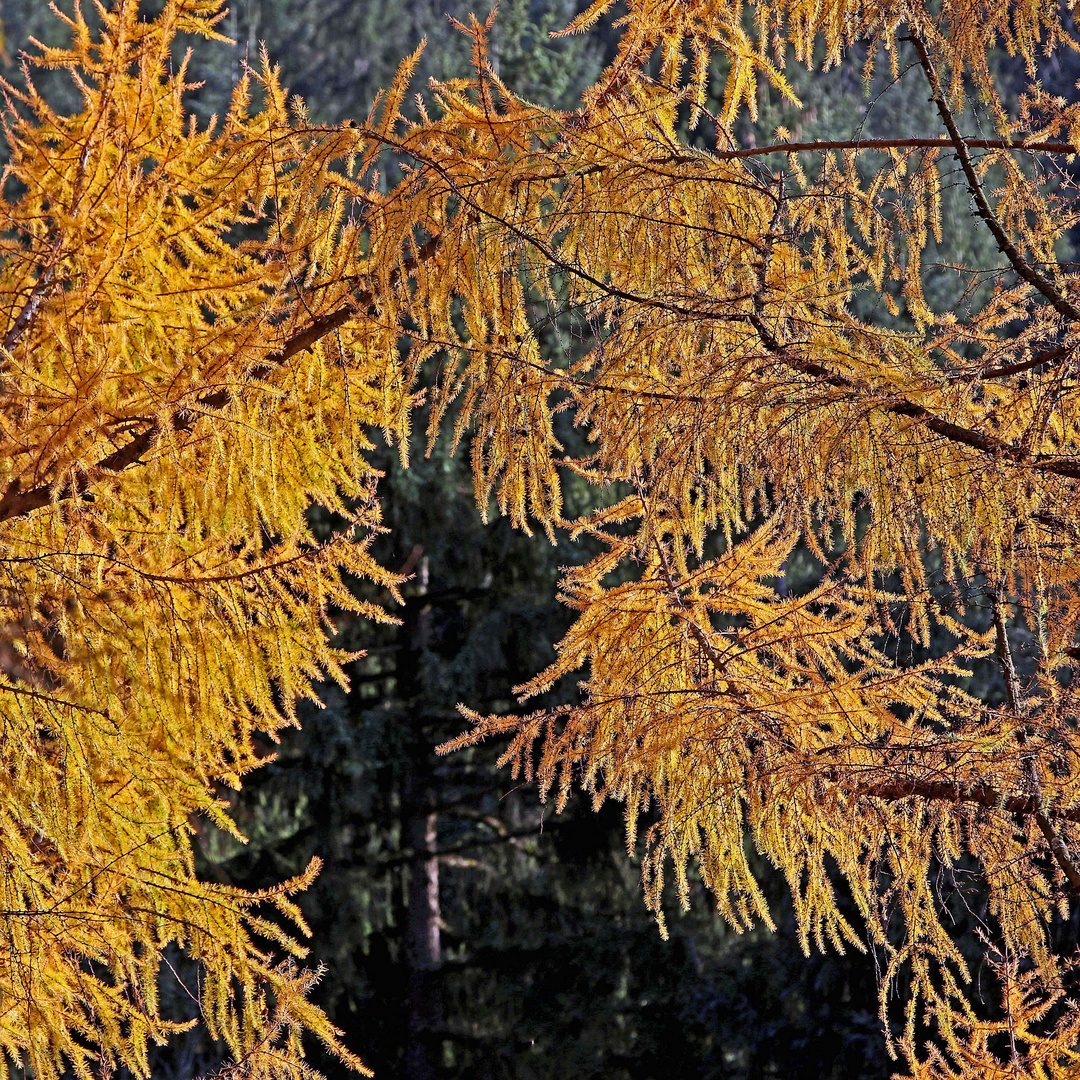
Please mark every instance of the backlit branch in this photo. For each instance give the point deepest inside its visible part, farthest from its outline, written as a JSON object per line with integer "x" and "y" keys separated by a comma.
{"x": 1062, "y": 855}
{"x": 1023, "y": 268}
{"x": 16, "y": 503}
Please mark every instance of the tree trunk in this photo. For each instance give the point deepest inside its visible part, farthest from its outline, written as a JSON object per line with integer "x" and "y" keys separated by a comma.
{"x": 423, "y": 951}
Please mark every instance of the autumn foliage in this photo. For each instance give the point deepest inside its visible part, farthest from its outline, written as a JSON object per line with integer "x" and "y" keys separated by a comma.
{"x": 202, "y": 327}
{"x": 163, "y": 595}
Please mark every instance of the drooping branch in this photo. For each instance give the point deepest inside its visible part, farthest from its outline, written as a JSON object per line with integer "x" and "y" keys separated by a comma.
{"x": 1061, "y": 853}
{"x": 898, "y": 406}
{"x": 901, "y": 406}
{"x": 816, "y": 145}
{"x": 17, "y": 503}
{"x": 893, "y": 144}
{"x": 1020, "y": 265}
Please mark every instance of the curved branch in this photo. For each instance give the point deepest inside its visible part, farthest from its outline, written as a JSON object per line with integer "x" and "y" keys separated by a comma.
{"x": 1047, "y": 357}
{"x": 977, "y": 440}
{"x": 1023, "y": 268}
{"x": 900, "y": 406}
{"x": 946, "y": 791}
{"x": 17, "y": 503}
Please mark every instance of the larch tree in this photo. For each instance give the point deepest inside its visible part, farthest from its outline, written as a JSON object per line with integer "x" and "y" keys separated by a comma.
{"x": 739, "y": 405}
{"x": 202, "y": 326}
{"x": 165, "y": 427}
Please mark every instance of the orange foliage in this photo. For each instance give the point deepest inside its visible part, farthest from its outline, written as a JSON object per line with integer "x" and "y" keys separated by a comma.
{"x": 177, "y": 397}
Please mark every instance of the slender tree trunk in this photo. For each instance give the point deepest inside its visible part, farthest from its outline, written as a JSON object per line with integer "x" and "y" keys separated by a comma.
{"x": 423, "y": 950}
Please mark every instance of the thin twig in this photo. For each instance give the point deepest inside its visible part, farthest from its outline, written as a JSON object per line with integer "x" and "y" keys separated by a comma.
{"x": 1061, "y": 853}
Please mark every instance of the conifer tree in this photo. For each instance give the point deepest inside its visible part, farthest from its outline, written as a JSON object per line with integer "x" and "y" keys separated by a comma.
{"x": 740, "y": 403}
{"x": 178, "y": 393}
{"x": 166, "y": 427}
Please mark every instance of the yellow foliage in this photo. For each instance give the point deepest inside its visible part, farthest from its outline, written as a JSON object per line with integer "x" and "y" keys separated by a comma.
{"x": 164, "y": 428}
{"x": 202, "y": 326}
{"x": 733, "y": 395}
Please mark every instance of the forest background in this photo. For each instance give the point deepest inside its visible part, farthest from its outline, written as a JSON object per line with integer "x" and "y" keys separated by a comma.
{"x": 467, "y": 931}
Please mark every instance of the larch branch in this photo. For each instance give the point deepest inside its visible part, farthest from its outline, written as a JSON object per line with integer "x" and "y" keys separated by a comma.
{"x": 1020, "y": 265}
{"x": 29, "y": 309}
{"x": 1060, "y": 851}
{"x": 1048, "y": 357}
{"x": 17, "y": 503}
{"x": 893, "y": 144}
{"x": 900, "y": 406}
{"x": 950, "y": 791}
